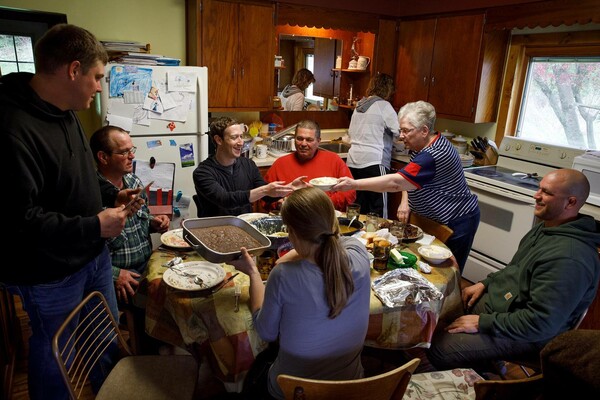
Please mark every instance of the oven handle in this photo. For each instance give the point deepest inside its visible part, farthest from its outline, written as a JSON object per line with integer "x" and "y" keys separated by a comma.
{"x": 501, "y": 192}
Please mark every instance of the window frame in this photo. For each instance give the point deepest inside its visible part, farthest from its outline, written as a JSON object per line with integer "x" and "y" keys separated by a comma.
{"x": 19, "y": 22}
{"x": 524, "y": 47}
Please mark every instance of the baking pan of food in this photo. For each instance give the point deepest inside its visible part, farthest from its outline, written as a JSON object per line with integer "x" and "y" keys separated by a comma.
{"x": 218, "y": 239}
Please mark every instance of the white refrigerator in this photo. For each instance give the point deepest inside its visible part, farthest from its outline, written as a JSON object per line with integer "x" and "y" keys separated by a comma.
{"x": 165, "y": 110}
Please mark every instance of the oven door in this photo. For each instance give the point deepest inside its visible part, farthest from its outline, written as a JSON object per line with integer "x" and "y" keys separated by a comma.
{"x": 506, "y": 216}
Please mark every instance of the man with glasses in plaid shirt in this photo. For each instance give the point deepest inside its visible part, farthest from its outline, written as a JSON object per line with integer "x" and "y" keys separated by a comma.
{"x": 130, "y": 251}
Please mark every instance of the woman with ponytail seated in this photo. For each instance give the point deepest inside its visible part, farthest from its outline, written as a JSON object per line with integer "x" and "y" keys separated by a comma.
{"x": 316, "y": 300}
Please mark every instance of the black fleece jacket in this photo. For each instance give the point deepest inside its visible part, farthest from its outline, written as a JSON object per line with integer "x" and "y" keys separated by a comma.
{"x": 52, "y": 224}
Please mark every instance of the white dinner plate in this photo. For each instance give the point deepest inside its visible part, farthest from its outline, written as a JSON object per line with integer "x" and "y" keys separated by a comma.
{"x": 249, "y": 217}
{"x": 174, "y": 238}
{"x": 181, "y": 276}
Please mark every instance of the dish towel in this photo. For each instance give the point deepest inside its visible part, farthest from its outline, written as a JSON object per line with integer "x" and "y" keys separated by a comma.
{"x": 426, "y": 239}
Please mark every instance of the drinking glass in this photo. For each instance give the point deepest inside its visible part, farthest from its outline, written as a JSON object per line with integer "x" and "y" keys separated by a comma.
{"x": 397, "y": 230}
{"x": 372, "y": 222}
{"x": 353, "y": 210}
{"x": 381, "y": 254}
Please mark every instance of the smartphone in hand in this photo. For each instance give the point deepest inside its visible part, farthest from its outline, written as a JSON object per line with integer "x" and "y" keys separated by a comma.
{"x": 135, "y": 198}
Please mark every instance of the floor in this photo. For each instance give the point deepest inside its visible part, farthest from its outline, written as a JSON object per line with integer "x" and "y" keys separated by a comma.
{"x": 374, "y": 362}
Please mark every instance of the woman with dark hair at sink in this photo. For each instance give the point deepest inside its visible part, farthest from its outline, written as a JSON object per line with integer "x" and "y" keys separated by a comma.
{"x": 373, "y": 128}
{"x": 292, "y": 96}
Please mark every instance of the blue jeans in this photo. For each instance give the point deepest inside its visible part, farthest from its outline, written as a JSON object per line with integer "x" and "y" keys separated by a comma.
{"x": 48, "y": 305}
{"x": 474, "y": 350}
{"x": 462, "y": 239}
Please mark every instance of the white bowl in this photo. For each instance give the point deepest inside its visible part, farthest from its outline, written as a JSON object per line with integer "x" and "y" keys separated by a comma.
{"x": 324, "y": 183}
{"x": 434, "y": 254}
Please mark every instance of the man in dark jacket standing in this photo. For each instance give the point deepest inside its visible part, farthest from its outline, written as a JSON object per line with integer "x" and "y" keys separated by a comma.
{"x": 57, "y": 224}
{"x": 551, "y": 280}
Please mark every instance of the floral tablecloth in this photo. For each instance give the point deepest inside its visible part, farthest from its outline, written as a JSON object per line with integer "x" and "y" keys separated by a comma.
{"x": 206, "y": 324}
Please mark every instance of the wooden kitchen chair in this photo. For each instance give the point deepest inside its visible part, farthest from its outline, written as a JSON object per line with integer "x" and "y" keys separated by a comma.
{"x": 387, "y": 386}
{"x": 133, "y": 377}
{"x": 526, "y": 388}
{"x": 440, "y": 231}
{"x": 531, "y": 364}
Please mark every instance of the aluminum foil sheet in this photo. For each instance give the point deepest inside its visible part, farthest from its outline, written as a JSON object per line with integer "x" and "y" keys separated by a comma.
{"x": 406, "y": 287}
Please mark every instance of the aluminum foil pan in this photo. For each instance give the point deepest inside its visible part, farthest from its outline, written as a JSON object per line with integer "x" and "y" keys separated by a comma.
{"x": 407, "y": 287}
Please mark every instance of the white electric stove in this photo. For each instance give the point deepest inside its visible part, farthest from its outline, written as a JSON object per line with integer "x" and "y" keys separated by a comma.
{"x": 505, "y": 193}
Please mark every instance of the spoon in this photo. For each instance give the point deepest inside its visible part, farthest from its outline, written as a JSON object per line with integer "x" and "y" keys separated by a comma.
{"x": 351, "y": 221}
{"x": 198, "y": 281}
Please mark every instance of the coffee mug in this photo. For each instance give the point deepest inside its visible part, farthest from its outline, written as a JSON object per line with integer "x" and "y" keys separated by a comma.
{"x": 261, "y": 151}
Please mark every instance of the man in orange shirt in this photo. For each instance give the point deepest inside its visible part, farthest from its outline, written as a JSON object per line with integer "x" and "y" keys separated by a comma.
{"x": 310, "y": 161}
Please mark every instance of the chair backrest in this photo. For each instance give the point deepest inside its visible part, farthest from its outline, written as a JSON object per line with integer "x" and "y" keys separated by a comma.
{"x": 440, "y": 231}
{"x": 386, "y": 386}
{"x": 77, "y": 352}
{"x": 526, "y": 388}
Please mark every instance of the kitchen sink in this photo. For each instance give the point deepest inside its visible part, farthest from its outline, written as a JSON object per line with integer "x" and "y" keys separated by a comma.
{"x": 335, "y": 147}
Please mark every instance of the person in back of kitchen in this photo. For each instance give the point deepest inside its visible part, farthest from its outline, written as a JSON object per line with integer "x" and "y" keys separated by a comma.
{"x": 57, "y": 252}
{"x": 316, "y": 300}
{"x": 551, "y": 280}
{"x": 310, "y": 161}
{"x": 373, "y": 128}
{"x": 434, "y": 179}
{"x": 292, "y": 96}
{"x": 130, "y": 251}
{"x": 228, "y": 184}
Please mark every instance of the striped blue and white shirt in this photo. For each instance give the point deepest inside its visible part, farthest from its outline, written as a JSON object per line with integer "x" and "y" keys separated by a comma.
{"x": 442, "y": 193}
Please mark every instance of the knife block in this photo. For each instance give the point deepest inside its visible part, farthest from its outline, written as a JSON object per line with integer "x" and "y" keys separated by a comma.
{"x": 489, "y": 157}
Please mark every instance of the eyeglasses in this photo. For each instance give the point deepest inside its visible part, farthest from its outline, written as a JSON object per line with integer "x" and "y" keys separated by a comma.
{"x": 405, "y": 131}
{"x": 125, "y": 153}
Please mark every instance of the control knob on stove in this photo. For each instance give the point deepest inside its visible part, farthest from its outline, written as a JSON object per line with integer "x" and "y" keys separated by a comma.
{"x": 518, "y": 146}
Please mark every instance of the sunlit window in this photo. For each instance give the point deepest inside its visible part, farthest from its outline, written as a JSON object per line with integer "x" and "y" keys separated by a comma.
{"x": 16, "y": 54}
{"x": 310, "y": 65}
{"x": 561, "y": 102}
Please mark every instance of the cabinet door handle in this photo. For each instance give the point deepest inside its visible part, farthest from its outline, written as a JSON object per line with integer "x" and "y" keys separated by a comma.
{"x": 242, "y": 72}
{"x": 424, "y": 81}
{"x": 432, "y": 80}
{"x": 233, "y": 72}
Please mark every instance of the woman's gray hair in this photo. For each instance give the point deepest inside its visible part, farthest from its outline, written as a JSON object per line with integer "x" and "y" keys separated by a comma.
{"x": 419, "y": 113}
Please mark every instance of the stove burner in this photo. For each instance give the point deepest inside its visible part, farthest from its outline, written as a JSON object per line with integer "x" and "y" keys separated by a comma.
{"x": 487, "y": 172}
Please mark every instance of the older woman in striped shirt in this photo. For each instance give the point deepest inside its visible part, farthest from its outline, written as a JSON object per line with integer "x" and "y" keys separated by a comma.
{"x": 433, "y": 182}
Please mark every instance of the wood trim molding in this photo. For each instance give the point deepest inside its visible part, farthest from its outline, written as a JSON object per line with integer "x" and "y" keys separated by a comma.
{"x": 301, "y": 15}
{"x": 543, "y": 14}
{"x": 521, "y": 49}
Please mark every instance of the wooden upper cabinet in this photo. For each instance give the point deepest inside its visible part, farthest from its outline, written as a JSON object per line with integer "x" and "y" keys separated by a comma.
{"x": 384, "y": 59}
{"x": 452, "y": 64}
{"x": 237, "y": 47}
{"x": 324, "y": 76}
{"x": 415, "y": 50}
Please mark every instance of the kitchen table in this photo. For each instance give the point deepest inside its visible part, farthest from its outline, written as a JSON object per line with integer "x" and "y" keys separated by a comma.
{"x": 206, "y": 324}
